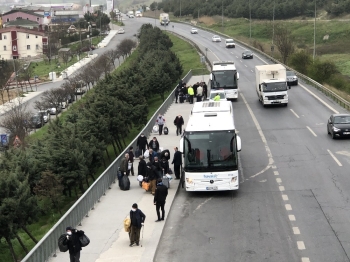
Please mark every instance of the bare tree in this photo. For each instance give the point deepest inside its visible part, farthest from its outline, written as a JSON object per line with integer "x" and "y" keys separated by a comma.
{"x": 126, "y": 46}
{"x": 26, "y": 75}
{"x": 284, "y": 41}
{"x": 16, "y": 120}
{"x": 104, "y": 63}
{"x": 53, "y": 98}
{"x": 112, "y": 55}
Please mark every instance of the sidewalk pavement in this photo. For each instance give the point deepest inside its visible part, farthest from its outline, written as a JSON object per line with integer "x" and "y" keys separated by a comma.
{"x": 104, "y": 225}
{"x": 108, "y": 38}
{"x": 16, "y": 101}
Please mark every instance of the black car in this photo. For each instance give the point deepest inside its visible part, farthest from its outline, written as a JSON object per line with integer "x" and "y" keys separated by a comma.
{"x": 247, "y": 54}
{"x": 339, "y": 125}
{"x": 292, "y": 79}
{"x": 36, "y": 121}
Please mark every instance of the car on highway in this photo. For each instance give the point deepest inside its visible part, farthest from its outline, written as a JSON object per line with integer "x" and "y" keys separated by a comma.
{"x": 338, "y": 125}
{"x": 216, "y": 38}
{"x": 230, "y": 43}
{"x": 194, "y": 31}
{"x": 221, "y": 93}
{"x": 36, "y": 121}
{"x": 53, "y": 111}
{"x": 121, "y": 31}
{"x": 131, "y": 16}
{"x": 247, "y": 54}
{"x": 292, "y": 78}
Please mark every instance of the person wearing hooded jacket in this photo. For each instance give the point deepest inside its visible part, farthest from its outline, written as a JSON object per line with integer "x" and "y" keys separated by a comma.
{"x": 73, "y": 243}
{"x": 159, "y": 198}
{"x": 165, "y": 154}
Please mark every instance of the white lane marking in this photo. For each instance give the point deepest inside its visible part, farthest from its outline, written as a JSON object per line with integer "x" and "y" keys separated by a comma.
{"x": 288, "y": 207}
{"x": 262, "y": 171}
{"x": 301, "y": 245}
{"x": 218, "y": 59}
{"x": 312, "y": 132}
{"x": 274, "y": 167}
{"x": 278, "y": 180}
{"x": 201, "y": 204}
{"x": 245, "y": 65}
{"x": 262, "y": 136}
{"x": 291, "y": 217}
{"x": 276, "y": 173}
{"x": 305, "y": 259}
{"x": 240, "y": 60}
{"x": 319, "y": 99}
{"x": 285, "y": 197}
{"x": 281, "y": 188}
{"x": 296, "y": 231}
{"x": 294, "y": 113}
{"x": 335, "y": 159}
{"x": 344, "y": 153}
{"x": 262, "y": 181}
{"x": 252, "y": 71}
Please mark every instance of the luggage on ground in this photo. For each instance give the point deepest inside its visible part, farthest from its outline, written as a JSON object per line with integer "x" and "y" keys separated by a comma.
{"x": 165, "y": 181}
{"x": 124, "y": 183}
{"x": 84, "y": 240}
{"x": 181, "y": 98}
{"x": 137, "y": 153}
{"x": 127, "y": 224}
{"x": 119, "y": 175}
{"x": 145, "y": 185}
{"x": 166, "y": 130}
{"x": 170, "y": 172}
{"x": 146, "y": 154}
{"x": 155, "y": 129}
{"x": 140, "y": 178}
{"x": 61, "y": 246}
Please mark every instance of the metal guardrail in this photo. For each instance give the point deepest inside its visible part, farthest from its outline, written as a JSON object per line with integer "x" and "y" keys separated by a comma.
{"x": 341, "y": 101}
{"x": 47, "y": 246}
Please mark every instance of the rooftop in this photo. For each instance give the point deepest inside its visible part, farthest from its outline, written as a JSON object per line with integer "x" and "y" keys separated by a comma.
{"x": 22, "y": 30}
{"x": 23, "y": 11}
{"x": 21, "y": 22}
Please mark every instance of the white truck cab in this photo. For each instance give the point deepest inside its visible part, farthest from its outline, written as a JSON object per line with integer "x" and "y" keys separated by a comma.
{"x": 271, "y": 84}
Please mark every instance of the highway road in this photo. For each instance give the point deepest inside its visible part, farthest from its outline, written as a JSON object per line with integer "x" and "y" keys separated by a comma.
{"x": 293, "y": 201}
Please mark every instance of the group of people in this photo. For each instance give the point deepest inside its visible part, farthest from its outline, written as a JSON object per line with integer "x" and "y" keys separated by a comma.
{"x": 183, "y": 92}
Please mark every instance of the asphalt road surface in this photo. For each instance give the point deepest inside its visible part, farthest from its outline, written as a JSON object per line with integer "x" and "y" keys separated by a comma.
{"x": 293, "y": 201}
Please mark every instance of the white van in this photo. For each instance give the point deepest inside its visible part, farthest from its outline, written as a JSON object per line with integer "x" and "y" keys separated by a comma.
{"x": 230, "y": 43}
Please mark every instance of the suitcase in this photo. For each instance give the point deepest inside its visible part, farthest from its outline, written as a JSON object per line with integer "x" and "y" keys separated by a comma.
{"x": 125, "y": 183}
{"x": 137, "y": 153}
{"x": 165, "y": 181}
{"x": 119, "y": 175}
{"x": 181, "y": 99}
{"x": 166, "y": 131}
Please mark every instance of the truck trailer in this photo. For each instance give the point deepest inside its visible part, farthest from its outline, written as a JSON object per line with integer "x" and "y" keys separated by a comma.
{"x": 164, "y": 19}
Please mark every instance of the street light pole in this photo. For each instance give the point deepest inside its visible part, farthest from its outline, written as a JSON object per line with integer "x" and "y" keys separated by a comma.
{"x": 180, "y": 10}
{"x": 314, "y": 35}
{"x": 250, "y": 21}
{"x": 222, "y": 15}
{"x": 273, "y": 27}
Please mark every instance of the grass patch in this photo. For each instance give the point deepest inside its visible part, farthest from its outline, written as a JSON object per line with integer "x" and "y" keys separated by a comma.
{"x": 46, "y": 221}
{"x": 188, "y": 56}
{"x": 342, "y": 61}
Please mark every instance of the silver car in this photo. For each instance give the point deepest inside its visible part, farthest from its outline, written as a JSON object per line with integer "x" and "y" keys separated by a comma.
{"x": 292, "y": 79}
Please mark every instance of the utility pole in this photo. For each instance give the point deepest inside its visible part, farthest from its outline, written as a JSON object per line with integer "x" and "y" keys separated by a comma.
{"x": 314, "y": 35}
{"x": 250, "y": 21}
{"x": 222, "y": 15}
{"x": 273, "y": 27}
{"x": 180, "y": 10}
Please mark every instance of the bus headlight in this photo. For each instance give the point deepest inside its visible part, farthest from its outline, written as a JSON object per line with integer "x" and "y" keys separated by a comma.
{"x": 234, "y": 179}
{"x": 189, "y": 180}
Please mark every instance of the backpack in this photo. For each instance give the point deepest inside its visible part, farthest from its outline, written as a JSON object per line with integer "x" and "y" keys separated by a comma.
{"x": 84, "y": 240}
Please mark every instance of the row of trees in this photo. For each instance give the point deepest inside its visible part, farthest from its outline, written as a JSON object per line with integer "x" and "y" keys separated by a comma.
{"x": 62, "y": 164}
{"x": 259, "y": 9}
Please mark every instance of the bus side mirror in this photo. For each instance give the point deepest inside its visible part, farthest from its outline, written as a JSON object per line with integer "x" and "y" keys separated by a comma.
{"x": 259, "y": 87}
{"x": 239, "y": 143}
{"x": 211, "y": 76}
{"x": 181, "y": 147}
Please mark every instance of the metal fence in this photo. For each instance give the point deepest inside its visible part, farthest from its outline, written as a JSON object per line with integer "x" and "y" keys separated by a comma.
{"x": 47, "y": 246}
{"x": 341, "y": 101}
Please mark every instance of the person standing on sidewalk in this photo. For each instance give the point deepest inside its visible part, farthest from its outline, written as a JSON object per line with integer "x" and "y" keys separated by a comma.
{"x": 177, "y": 161}
{"x": 73, "y": 243}
{"x": 131, "y": 161}
{"x": 124, "y": 165}
{"x": 137, "y": 219}
{"x": 179, "y": 122}
{"x": 154, "y": 145}
{"x": 142, "y": 143}
{"x": 160, "y": 122}
{"x": 190, "y": 91}
{"x": 152, "y": 175}
{"x": 159, "y": 198}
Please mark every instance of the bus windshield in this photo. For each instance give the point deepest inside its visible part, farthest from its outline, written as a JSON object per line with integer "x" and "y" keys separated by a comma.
{"x": 274, "y": 87}
{"x": 210, "y": 151}
{"x": 226, "y": 79}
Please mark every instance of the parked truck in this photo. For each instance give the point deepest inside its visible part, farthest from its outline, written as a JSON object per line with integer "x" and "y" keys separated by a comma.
{"x": 271, "y": 84}
{"x": 164, "y": 19}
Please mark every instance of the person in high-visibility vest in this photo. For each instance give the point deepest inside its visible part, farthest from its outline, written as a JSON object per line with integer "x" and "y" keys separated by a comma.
{"x": 217, "y": 97}
{"x": 190, "y": 92}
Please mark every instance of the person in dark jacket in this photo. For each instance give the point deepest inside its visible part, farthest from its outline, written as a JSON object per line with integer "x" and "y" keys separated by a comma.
{"x": 152, "y": 175}
{"x": 131, "y": 161}
{"x": 142, "y": 143}
{"x": 142, "y": 168}
{"x": 177, "y": 161}
{"x": 154, "y": 144}
{"x": 137, "y": 219}
{"x": 177, "y": 92}
{"x": 164, "y": 163}
{"x": 179, "y": 122}
{"x": 124, "y": 165}
{"x": 165, "y": 154}
{"x": 157, "y": 165}
{"x": 159, "y": 198}
{"x": 152, "y": 155}
{"x": 73, "y": 243}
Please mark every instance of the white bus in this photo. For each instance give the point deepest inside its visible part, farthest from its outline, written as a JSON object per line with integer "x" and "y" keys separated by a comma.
{"x": 210, "y": 148}
{"x": 224, "y": 76}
